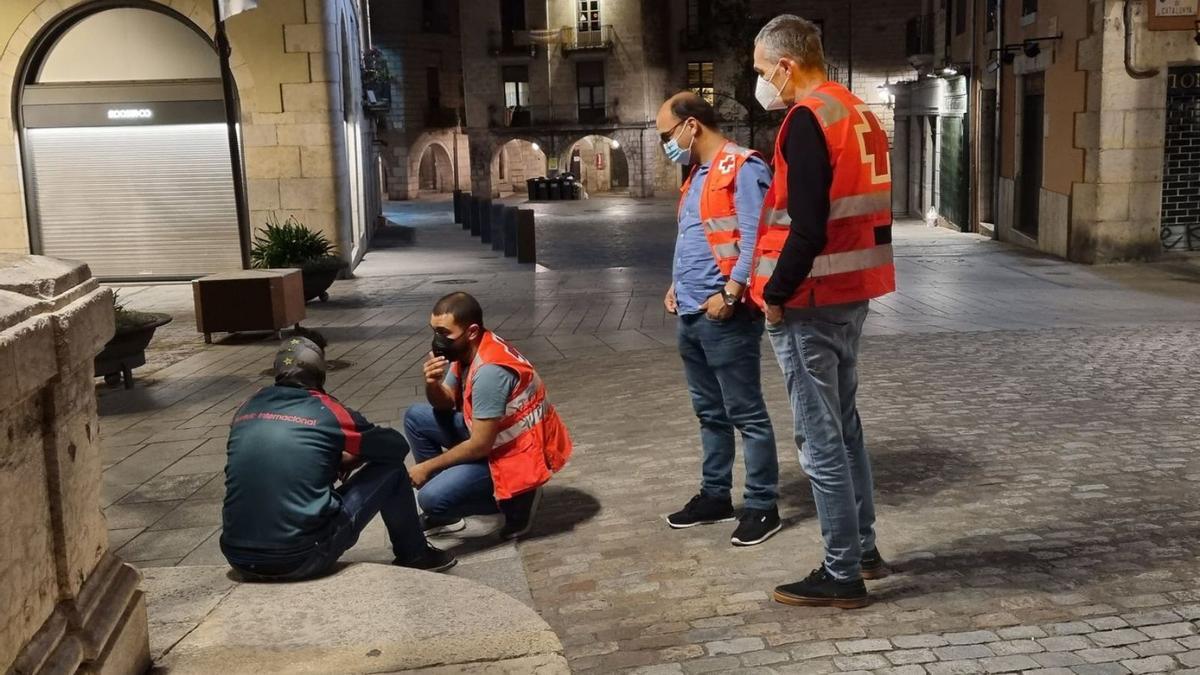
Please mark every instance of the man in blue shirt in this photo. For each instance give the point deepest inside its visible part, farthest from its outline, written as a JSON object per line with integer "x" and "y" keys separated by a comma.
{"x": 720, "y": 335}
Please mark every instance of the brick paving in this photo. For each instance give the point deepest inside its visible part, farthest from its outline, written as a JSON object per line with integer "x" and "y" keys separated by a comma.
{"x": 1032, "y": 425}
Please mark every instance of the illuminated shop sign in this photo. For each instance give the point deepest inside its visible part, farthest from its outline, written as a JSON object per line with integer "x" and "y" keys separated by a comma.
{"x": 130, "y": 114}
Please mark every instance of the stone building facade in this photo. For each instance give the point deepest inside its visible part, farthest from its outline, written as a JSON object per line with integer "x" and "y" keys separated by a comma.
{"x": 1080, "y": 121}
{"x": 305, "y": 145}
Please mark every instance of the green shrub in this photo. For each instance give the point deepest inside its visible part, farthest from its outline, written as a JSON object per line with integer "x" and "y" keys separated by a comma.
{"x": 292, "y": 245}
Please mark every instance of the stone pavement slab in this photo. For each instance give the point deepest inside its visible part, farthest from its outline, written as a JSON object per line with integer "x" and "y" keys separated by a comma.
{"x": 363, "y": 619}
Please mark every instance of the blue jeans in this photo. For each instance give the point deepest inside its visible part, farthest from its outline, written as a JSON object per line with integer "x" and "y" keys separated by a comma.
{"x": 460, "y": 490}
{"x": 817, "y": 349}
{"x": 723, "y": 364}
{"x": 374, "y": 489}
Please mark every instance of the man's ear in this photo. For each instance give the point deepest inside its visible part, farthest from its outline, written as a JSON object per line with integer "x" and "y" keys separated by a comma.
{"x": 474, "y": 331}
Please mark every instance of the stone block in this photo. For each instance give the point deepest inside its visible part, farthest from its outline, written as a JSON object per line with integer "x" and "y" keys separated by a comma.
{"x": 1130, "y": 166}
{"x": 1083, "y": 202}
{"x": 274, "y": 162}
{"x": 305, "y": 37}
{"x": 1112, "y": 202}
{"x": 1112, "y": 130}
{"x": 313, "y": 194}
{"x": 418, "y": 620}
{"x": 263, "y": 194}
{"x": 304, "y": 135}
{"x": 317, "y": 161}
{"x": 306, "y": 97}
{"x": 1145, "y": 129}
{"x": 317, "y": 72}
{"x": 259, "y": 135}
{"x": 1087, "y": 129}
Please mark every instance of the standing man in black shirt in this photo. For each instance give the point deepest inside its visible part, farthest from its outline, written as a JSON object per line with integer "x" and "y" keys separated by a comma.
{"x": 823, "y": 252}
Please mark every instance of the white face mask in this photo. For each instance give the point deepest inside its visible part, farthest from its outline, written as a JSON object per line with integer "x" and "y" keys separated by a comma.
{"x": 769, "y": 96}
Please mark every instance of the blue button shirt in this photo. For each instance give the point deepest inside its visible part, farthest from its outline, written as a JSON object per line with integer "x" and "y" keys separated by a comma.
{"x": 695, "y": 272}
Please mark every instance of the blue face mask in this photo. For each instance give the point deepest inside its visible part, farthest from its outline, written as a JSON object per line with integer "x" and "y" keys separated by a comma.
{"x": 677, "y": 154}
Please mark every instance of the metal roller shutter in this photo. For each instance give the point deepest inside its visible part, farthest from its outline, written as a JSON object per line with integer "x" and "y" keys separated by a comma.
{"x": 138, "y": 201}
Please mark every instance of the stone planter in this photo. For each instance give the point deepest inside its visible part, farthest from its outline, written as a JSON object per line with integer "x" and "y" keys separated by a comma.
{"x": 126, "y": 351}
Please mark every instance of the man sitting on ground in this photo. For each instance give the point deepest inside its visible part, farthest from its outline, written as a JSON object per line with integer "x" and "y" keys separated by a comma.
{"x": 283, "y": 518}
{"x": 488, "y": 439}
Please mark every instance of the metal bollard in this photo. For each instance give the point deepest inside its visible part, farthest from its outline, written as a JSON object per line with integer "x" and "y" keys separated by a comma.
{"x": 458, "y": 209}
{"x": 497, "y": 224}
{"x": 482, "y": 208}
{"x": 510, "y": 233}
{"x": 468, "y": 208}
{"x": 526, "y": 239}
{"x": 500, "y": 227}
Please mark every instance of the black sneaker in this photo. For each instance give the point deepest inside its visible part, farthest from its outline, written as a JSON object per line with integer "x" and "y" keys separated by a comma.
{"x": 756, "y": 526}
{"x": 435, "y": 525}
{"x": 518, "y": 514}
{"x": 874, "y": 566}
{"x": 822, "y": 590}
{"x": 432, "y": 559}
{"x": 702, "y": 510}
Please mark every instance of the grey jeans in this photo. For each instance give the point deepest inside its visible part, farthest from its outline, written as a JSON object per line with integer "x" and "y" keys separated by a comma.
{"x": 817, "y": 349}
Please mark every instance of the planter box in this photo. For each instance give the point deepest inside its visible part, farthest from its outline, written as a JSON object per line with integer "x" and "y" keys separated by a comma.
{"x": 126, "y": 351}
{"x": 250, "y": 300}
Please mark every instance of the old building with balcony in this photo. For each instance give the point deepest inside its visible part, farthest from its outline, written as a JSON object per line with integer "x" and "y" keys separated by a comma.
{"x": 422, "y": 131}
{"x": 1067, "y": 126}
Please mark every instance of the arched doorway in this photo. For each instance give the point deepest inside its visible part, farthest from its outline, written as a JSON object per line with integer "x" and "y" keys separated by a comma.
{"x": 600, "y": 164}
{"x": 515, "y": 162}
{"x": 125, "y": 146}
{"x": 436, "y": 170}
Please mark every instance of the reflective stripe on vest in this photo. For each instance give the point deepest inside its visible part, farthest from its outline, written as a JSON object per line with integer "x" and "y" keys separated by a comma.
{"x": 836, "y": 263}
{"x": 778, "y": 217}
{"x": 860, "y": 205}
{"x": 514, "y": 406}
{"x": 527, "y": 422}
{"x": 722, "y": 224}
{"x": 729, "y": 250}
{"x": 833, "y": 110}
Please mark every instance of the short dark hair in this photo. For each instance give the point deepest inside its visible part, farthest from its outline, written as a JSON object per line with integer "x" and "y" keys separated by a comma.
{"x": 463, "y": 307}
{"x": 691, "y": 104}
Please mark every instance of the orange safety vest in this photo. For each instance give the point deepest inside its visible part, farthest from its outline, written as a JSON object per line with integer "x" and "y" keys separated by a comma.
{"x": 533, "y": 443}
{"x": 856, "y": 263}
{"x": 718, "y": 210}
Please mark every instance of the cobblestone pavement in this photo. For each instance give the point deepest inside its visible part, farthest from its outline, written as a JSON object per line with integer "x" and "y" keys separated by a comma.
{"x": 1032, "y": 423}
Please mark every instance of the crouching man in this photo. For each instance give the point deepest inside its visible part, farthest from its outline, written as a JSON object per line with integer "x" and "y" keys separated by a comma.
{"x": 288, "y": 445}
{"x": 488, "y": 439}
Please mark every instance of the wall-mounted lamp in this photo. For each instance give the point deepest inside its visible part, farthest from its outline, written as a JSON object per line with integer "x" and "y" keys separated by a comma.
{"x": 1007, "y": 54}
{"x": 950, "y": 70}
{"x": 1031, "y": 47}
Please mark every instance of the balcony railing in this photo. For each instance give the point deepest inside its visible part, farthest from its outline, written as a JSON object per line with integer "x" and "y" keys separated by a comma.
{"x": 512, "y": 43}
{"x": 574, "y": 41}
{"x": 548, "y": 115}
{"x": 919, "y": 36}
{"x": 695, "y": 41}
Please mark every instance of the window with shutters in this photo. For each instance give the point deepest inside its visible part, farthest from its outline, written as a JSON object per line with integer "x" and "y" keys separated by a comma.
{"x": 589, "y": 79}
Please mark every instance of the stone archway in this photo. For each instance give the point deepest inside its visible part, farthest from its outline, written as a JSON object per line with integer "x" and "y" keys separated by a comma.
{"x": 599, "y": 162}
{"x": 516, "y": 161}
{"x": 435, "y": 170}
{"x": 34, "y": 29}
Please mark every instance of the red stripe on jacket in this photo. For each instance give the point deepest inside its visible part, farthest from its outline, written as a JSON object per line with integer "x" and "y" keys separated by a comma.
{"x": 345, "y": 420}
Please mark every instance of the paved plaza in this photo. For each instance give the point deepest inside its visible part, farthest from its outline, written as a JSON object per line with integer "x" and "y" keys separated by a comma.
{"x": 1033, "y": 426}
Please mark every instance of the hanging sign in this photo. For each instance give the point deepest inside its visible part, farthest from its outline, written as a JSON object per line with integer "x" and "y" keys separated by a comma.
{"x": 1173, "y": 14}
{"x": 599, "y": 160}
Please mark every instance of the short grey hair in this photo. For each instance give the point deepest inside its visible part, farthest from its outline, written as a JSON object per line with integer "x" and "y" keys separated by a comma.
{"x": 789, "y": 36}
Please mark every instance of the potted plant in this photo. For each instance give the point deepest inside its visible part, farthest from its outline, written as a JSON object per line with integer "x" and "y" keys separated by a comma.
{"x": 376, "y": 81}
{"x": 292, "y": 245}
{"x": 127, "y": 348}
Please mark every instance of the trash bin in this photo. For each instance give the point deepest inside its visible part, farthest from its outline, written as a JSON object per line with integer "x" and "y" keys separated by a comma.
{"x": 530, "y": 188}
{"x": 556, "y": 189}
{"x": 540, "y": 190}
{"x": 570, "y": 189}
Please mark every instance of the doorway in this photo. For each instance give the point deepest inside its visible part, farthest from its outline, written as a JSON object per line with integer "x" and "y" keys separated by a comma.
{"x": 1033, "y": 119}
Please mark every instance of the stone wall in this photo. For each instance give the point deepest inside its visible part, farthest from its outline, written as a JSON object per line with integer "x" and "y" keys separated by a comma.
{"x": 68, "y": 605}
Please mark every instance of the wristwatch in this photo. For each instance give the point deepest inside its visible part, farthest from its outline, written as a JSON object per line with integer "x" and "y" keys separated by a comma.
{"x": 729, "y": 298}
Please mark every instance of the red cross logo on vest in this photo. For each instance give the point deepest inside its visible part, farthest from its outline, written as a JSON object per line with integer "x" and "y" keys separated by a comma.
{"x": 874, "y": 143}
{"x": 727, "y": 164}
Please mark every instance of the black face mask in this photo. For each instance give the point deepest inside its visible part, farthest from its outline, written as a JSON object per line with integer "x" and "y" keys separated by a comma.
{"x": 446, "y": 347}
